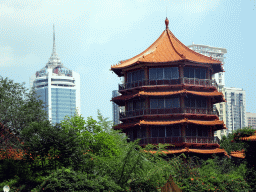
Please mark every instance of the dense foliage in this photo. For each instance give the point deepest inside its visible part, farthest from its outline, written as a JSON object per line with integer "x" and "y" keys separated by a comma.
{"x": 231, "y": 142}
{"x": 19, "y": 107}
{"x": 87, "y": 155}
{"x": 211, "y": 175}
{"x": 104, "y": 160}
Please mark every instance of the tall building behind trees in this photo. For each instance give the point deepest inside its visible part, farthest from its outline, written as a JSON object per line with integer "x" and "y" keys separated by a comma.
{"x": 58, "y": 87}
{"x": 235, "y": 109}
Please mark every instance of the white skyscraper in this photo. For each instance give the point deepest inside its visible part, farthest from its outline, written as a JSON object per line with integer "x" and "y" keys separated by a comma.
{"x": 235, "y": 109}
{"x": 58, "y": 87}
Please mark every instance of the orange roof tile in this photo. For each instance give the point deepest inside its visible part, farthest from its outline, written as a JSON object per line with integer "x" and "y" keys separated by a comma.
{"x": 143, "y": 122}
{"x": 250, "y": 138}
{"x": 202, "y": 151}
{"x": 215, "y": 122}
{"x": 169, "y": 93}
{"x": 238, "y": 154}
{"x": 167, "y": 48}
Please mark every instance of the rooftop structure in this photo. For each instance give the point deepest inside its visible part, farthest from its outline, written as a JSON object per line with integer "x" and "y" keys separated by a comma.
{"x": 168, "y": 94}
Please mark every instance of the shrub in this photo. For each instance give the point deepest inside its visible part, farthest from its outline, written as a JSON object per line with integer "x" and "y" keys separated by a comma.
{"x": 218, "y": 174}
{"x": 68, "y": 180}
{"x": 245, "y": 132}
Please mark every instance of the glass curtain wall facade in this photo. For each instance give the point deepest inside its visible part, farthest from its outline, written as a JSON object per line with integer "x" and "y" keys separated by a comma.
{"x": 63, "y": 103}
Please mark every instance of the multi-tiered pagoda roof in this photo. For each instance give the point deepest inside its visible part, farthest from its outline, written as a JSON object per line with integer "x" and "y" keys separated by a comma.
{"x": 168, "y": 96}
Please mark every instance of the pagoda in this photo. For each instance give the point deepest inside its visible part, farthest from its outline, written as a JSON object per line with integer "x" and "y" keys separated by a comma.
{"x": 168, "y": 94}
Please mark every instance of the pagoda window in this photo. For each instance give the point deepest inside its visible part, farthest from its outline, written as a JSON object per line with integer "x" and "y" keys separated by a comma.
{"x": 196, "y": 102}
{"x": 191, "y": 72}
{"x": 135, "y": 76}
{"x": 158, "y": 131}
{"x": 141, "y": 133}
{"x": 201, "y": 132}
{"x": 161, "y": 103}
{"x": 163, "y": 73}
{"x": 173, "y": 131}
{"x": 136, "y": 105}
{"x": 195, "y": 130}
{"x": 130, "y": 134}
{"x": 154, "y": 132}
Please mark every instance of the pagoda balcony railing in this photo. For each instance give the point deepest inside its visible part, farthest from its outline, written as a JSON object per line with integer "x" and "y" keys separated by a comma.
{"x": 185, "y": 80}
{"x": 180, "y": 139}
{"x": 141, "y": 112}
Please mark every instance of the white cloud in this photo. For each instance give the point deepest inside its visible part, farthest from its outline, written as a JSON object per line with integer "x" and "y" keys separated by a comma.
{"x": 6, "y": 56}
{"x": 8, "y": 59}
{"x": 37, "y": 12}
{"x": 198, "y": 6}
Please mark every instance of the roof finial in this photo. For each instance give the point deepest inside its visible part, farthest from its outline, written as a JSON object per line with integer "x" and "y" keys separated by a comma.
{"x": 54, "y": 46}
{"x": 166, "y": 23}
{"x": 54, "y": 59}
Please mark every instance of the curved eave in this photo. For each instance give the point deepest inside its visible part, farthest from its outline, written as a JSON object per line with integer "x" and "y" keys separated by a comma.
{"x": 216, "y": 122}
{"x": 218, "y": 95}
{"x": 250, "y": 138}
{"x": 187, "y": 150}
{"x": 167, "y": 48}
{"x": 238, "y": 154}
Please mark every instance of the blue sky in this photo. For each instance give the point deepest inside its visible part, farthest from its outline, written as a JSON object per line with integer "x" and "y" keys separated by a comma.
{"x": 93, "y": 35}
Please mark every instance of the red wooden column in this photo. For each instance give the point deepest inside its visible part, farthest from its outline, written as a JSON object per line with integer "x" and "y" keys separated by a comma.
{"x": 146, "y": 74}
{"x": 147, "y": 133}
{"x": 208, "y": 73}
{"x": 147, "y": 102}
{"x": 209, "y": 103}
{"x": 210, "y": 132}
{"x": 183, "y": 130}
{"x": 126, "y": 106}
{"x": 182, "y": 103}
{"x": 125, "y": 77}
{"x": 181, "y": 71}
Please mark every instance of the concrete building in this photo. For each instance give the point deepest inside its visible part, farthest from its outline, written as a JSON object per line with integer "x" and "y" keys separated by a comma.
{"x": 235, "y": 109}
{"x": 251, "y": 120}
{"x": 116, "y": 110}
{"x": 215, "y": 53}
{"x": 58, "y": 87}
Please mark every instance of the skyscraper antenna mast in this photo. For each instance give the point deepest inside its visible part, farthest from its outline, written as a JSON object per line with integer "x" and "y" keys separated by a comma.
{"x": 54, "y": 46}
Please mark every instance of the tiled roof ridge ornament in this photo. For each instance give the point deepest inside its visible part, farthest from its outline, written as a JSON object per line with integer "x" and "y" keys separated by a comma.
{"x": 166, "y": 23}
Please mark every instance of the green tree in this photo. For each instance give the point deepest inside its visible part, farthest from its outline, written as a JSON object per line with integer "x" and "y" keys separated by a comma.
{"x": 51, "y": 145}
{"x": 19, "y": 107}
{"x": 109, "y": 154}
